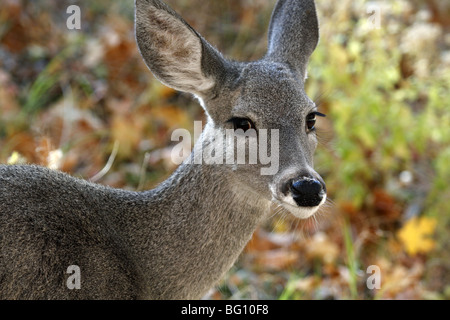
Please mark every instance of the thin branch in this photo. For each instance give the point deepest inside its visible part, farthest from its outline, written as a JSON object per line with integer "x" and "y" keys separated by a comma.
{"x": 108, "y": 165}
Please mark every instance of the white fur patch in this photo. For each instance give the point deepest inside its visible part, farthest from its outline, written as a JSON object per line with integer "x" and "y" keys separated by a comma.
{"x": 300, "y": 212}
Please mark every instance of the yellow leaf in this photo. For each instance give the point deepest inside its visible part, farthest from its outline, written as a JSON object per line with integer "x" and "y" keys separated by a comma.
{"x": 14, "y": 158}
{"x": 415, "y": 234}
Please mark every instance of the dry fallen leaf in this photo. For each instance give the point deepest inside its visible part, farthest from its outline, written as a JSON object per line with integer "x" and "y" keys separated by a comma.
{"x": 398, "y": 281}
{"x": 277, "y": 259}
{"x": 321, "y": 247}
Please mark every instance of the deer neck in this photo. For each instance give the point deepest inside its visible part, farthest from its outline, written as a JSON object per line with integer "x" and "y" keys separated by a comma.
{"x": 192, "y": 229}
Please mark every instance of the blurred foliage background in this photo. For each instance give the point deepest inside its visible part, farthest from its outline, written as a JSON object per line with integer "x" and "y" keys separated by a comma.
{"x": 82, "y": 101}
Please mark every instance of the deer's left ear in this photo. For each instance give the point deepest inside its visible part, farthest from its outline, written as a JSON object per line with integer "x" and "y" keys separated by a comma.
{"x": 293, "y": 34}
{"x": 175, "y": 53}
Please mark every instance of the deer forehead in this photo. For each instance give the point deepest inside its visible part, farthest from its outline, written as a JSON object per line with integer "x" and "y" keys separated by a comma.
{"x": 271, "y": 91}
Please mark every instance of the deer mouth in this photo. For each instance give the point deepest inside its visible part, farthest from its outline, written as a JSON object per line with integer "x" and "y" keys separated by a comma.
{"x": 289, "y": 204}
{"x": 302, "y": 212}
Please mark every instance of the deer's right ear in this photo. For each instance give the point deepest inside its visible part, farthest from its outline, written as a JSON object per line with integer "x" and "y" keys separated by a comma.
{"x": 175, "y": 53}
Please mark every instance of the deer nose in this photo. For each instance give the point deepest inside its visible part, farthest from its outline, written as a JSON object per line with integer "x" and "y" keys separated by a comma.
{"x": 307, "y": 192}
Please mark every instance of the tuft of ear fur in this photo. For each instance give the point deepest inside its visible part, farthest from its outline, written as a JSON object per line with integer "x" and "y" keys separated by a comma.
{"x": 172, "y": 49}
{"x": 293, "y": 34}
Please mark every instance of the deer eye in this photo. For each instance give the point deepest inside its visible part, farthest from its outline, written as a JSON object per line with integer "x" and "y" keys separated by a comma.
{"x": 311, "y": 120}
{"x": 242, "y": 123}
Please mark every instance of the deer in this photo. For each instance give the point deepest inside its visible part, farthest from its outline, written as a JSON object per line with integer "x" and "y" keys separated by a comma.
{"x": 178, "y": 240}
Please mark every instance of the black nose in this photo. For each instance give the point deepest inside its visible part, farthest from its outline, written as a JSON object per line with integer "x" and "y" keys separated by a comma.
{"x": 307, "y": 192}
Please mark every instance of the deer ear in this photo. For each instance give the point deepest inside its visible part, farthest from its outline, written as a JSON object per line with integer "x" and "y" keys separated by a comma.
{"x": 293, "y": 33}
{"x": 175, "y": 53}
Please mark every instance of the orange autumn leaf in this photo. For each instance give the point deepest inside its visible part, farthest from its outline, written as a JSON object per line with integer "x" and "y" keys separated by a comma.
{"x": 415, "y": 235}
